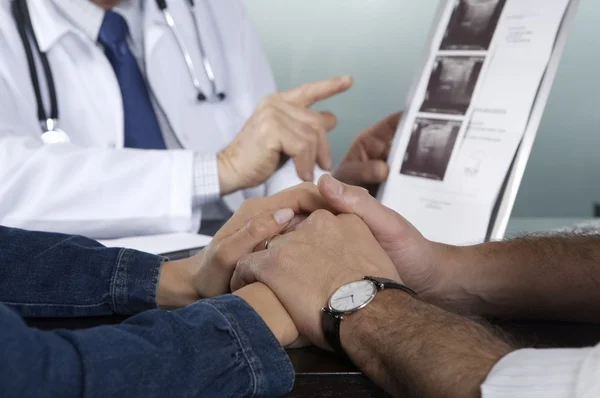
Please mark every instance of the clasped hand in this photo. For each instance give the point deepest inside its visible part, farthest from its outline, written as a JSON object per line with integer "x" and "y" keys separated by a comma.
{"x": 322, "y": 237}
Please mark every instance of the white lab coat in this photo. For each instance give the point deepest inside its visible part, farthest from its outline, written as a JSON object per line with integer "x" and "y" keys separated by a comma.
{"x": 87, "y": 187}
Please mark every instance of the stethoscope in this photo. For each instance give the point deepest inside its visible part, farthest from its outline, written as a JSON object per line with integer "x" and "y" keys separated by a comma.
{"x": 51, "y": 133}
{"x": 215, "y": 96}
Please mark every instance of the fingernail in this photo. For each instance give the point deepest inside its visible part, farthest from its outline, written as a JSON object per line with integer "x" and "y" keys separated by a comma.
{"x": 334, "y": 186}
{"x": 309, "y": 177}
{"x": 283, "y": 216}
{"x": 382, "y": 171}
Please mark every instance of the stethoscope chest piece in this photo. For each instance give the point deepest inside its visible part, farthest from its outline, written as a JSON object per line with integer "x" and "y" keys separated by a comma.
{"x": 56, "y": 136}
{"x": 52, "y": 134}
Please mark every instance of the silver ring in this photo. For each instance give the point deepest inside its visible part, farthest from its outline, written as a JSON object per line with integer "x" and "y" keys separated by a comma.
{"x": 268, "y": 241}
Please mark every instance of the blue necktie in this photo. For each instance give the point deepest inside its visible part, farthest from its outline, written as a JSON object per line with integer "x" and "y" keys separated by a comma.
{"x": 141, "y": 125}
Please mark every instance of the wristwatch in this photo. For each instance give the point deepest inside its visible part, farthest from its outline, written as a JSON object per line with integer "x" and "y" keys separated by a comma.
{"x": 350, "y": 298}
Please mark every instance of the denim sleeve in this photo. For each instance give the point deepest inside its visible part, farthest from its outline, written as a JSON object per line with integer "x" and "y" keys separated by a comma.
{"x": 54, "y": 275}
{"x": 215, "y": 348}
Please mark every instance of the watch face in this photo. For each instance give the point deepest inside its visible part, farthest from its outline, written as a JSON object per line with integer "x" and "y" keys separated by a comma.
{"x": 352, "y": 296}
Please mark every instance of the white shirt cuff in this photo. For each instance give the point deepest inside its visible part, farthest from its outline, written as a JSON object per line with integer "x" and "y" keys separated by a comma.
{"x": 206, "y": 180}
{"x": 548, "y": 373}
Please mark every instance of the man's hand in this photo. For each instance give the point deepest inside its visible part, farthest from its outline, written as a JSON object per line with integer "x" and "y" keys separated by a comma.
{"x": 365, "y": 164}
{"x": 307, "y": 264}
{"x": 494, "y": 279}
{"x": 256, "y": 221}
{"x": 419, "y": 262}
{"x": 282, "y": 126}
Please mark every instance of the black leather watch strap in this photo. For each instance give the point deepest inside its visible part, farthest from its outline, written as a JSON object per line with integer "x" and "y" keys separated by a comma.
{"x": 331, "y": 329}
{"x": 383, "y": 283}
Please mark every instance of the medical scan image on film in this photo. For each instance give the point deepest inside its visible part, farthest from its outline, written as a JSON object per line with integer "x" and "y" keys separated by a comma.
{"x": 430, "y": 148}
{"x": 472, "y": 24}
{"x": 452, "y": 84}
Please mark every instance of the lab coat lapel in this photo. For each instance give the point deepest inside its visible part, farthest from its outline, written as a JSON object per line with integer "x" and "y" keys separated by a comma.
{"x": 154, "y": 27}
{"x": 165, "y": 68}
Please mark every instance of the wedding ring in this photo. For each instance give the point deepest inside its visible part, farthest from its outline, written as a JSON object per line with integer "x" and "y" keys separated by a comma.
{"x": 268, "y": 241}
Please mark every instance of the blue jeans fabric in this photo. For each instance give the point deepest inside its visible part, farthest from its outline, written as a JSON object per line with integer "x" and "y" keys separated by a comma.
{"x": 216, "y": 347}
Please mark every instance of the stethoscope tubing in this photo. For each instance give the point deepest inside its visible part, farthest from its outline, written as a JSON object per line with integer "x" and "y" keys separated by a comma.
{"x": 216, "y": 96}
{"x": 49, "y": 122}
{"x": 21, "y": 14}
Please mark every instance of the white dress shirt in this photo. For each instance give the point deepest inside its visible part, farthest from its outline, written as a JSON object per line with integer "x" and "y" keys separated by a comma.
{"x": 546, "y": 373}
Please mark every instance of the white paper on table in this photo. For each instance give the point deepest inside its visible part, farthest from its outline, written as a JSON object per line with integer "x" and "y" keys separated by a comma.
{"x": 476, "y": 144}
{"x": 160, "y": 244}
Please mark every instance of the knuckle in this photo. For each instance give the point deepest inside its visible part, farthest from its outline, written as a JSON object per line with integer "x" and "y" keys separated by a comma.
{"x": 312, "y": 137}
{"x": 257, "y": 228}
{"x": 321, "y": 217}
{"x": 269, "y": 112}
{"x": 303, "y": 145}
{"x": 219, "y": 254}
{"x": 308, "y": 139}
{"x": 270, "y": 124}
{"x": 268, "y": 101}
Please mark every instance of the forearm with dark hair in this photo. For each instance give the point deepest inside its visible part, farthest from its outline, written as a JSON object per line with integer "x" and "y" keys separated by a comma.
{"x": 414, "y": 349}
{"x": 542, "y": 277}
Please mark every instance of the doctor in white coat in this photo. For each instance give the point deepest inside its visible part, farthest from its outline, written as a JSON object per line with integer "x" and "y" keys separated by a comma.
{"x": 226, "y": 146}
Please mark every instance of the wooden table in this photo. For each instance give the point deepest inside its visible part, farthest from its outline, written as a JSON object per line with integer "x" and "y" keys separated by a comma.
{"x": 322, "y": 374}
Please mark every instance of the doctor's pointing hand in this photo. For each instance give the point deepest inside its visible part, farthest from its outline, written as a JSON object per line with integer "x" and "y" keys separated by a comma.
{"x": 282, "y": 126}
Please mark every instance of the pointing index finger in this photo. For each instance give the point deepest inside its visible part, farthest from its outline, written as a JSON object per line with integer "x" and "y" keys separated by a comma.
{"x": 311, "y": 93}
